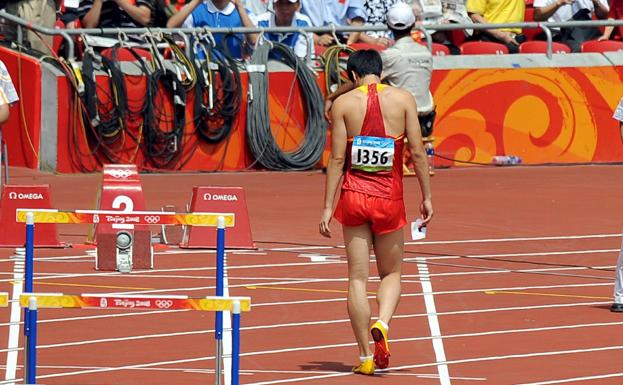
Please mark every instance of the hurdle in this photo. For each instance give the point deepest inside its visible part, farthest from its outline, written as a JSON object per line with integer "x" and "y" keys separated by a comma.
{"x": 33, "y": 301}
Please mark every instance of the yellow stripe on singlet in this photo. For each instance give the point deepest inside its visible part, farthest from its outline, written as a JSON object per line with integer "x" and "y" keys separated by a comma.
{"x": 379, "y": 88}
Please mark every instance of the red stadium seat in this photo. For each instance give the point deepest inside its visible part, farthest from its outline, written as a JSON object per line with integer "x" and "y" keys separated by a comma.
{"x": 541, "y": 47}
{"x": 483, "y": 48}
{"x": 601, "y": 46}
{"x": 438, "y": 49}
{"x": 530, "y": 33}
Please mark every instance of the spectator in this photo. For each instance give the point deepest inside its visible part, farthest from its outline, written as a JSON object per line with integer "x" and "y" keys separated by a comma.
{"x": 115, "y": 13}
{"x": 408, "y": 64}
{"x": 377, "y": 11}
{"x": 40, "y": 12}
{"x": 257, "y": 7}
{"x": 337, "y": 12}
{"x": 8, "y": 95}
{"x": 570, "y": 10}
{"x": 448, "y": 11}
{"x": 616, "y": 13}
{"x": 286, "y": 15}
{"x": 499, "y": 11}
{"x": 217, "y": 13}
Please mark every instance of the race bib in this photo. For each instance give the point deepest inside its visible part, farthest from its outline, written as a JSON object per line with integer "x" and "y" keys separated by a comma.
{"x": 372, "y": 154}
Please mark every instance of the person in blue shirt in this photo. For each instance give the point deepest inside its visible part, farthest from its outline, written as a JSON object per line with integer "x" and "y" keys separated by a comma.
{"x": 217, "y": 14}
{"x": 340, "y": 13}
{"x": 286, "y": 15}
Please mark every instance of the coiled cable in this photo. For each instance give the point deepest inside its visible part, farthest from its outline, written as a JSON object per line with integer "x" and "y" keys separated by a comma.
{"x": 260, "y": 138}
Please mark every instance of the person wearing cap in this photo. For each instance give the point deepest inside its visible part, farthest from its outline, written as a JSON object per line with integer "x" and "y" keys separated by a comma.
{"x": 217, "y": 14}
{"x": 286, "y": 14}
{"x": 498, "y": 11}
{"x": 408, "y": 64}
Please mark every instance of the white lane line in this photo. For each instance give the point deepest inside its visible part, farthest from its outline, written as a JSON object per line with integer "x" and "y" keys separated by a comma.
{"x": 455, "y": 362}
{"x": 575, "y": 379}
{"x": 433, "y": 323}
{"x": 154, "y": 273}
{"x": 339, "y": 374}
{"x": 517, "y": 239}
{"x": 536, "y": 254}
{"x": 14, "y": 320}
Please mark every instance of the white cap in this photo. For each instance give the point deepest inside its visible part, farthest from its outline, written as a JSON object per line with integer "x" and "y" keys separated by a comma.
{"x": 292, "y": 1}
{"x": 400, "y": 16}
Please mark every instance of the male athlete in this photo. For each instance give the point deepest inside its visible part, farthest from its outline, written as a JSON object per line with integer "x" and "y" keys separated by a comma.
{"x": 370, "y": 124}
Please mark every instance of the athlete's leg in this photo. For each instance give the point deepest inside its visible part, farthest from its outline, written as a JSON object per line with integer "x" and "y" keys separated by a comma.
{"x": 388, "y": 249}
{"x": 358, "y": 241}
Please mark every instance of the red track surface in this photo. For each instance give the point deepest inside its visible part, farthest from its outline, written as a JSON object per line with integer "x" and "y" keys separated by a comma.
{"x": 548, "y": 319}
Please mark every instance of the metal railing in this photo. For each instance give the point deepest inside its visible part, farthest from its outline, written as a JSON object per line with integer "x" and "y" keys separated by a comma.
{"x": 185, "y": 32}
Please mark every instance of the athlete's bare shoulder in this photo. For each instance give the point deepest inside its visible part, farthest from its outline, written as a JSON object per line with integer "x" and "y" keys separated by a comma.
{"x": 396, "y": 93}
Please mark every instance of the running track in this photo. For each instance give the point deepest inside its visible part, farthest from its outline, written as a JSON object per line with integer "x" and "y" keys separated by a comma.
{"x": 512, "y": 286}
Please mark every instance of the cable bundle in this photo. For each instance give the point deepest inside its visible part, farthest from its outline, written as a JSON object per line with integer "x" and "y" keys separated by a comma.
{"x": 333, "y": 61}
{"x": 259, "y": 135}
{"x": 218, "y": 92}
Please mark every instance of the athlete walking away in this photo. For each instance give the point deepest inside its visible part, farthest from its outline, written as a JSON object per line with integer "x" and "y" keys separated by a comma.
{"x": 370, "y": 124}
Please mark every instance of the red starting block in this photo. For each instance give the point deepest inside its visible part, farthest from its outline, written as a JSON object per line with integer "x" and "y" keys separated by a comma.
{"x": 220, "y": 200}
{"x": 13, "y": 233}
{"x": 122, "y": 191}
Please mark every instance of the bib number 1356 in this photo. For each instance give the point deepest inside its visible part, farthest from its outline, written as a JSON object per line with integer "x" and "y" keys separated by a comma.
{"x": 372, "y": 154}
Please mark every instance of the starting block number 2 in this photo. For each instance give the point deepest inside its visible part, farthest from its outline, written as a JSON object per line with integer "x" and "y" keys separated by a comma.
{"x": 128, "y": 206}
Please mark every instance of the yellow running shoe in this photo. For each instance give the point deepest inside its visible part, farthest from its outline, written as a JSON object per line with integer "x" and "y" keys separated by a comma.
{"x": 381, "y": 347}
{"x": 365, "y": 367}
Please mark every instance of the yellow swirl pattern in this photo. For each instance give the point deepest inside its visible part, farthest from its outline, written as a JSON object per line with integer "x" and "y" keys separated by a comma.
{"x": 4, "y": 299}
{"x": 207, "y": 219}
{"x": 52, "y": 301}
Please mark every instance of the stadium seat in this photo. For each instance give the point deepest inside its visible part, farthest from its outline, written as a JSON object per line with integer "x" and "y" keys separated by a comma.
{"x": 601, "y": 46}
{"x": 541, "y": 47}
{"x": 530, "y": 33}
{"x": 438, "y": 49}
{"x": 483, "y": 48}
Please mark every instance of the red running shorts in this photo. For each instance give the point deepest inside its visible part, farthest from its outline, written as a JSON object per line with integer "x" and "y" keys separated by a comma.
{"x": 383, "y": 215}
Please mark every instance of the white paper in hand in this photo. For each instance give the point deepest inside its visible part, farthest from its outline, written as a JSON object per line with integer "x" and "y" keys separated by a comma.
{"x": 72, "y": 3}
{"x": 417, "y": 230}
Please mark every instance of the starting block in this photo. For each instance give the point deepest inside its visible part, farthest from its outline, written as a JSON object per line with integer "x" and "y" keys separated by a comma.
{"x": 220, "y": 199}
{"x": 122, "y": 190}
{"x": 27, "y": 196}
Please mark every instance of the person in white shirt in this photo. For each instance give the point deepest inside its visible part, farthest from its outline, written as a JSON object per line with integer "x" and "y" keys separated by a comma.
{"x": 572, "y": 10}
{"x": 8, "y": 95}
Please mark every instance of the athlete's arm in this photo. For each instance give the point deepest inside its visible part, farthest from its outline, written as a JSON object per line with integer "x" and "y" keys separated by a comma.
{"x": 418, "y": 156}
{"x": 621, "y": 129}
{"x": 344, "y": 88}
{"x": 336, "y": 164}
{"x": 4, "y": 113}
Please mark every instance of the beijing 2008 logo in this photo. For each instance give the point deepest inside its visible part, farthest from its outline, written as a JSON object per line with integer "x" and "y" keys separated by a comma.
{"x": 151, "y": 219}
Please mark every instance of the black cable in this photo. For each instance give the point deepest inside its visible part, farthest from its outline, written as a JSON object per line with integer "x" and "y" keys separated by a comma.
{"x": 259, "y": 134}
{"x": 218, "y": 93}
